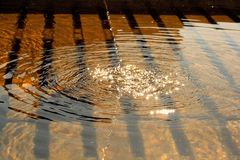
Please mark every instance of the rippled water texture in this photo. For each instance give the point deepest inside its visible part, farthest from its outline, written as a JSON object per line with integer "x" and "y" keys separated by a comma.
{"x": 156, "y": 90}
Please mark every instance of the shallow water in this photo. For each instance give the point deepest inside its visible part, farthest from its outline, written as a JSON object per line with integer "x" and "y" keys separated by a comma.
{"x": 153, "y": 92}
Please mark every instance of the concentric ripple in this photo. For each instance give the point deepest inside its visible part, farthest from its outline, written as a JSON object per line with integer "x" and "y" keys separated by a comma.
{"x": 74, "y": 83}
{"x": 102, "y": 81}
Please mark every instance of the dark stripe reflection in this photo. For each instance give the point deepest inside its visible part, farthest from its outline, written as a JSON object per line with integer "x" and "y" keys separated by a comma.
{"x": 232, "y": 15}
{"x": 232, "y": 44}
{"x": 180, "y": 139}
{"x": 11, "y": 67}
{"x": 4, "y": 96}
{"x": 147, "y": 55}
{"x": 42, "y": 135}
{"x": 87, "y": 122}
{"x": 13, "y": 55}
{"x": 47, "y": 48}
{"x": 110, "y": 42}
{"x": 134, "y": 134}
{"x": 178, "y": 134}
{"x": 224, "y": 134}
{"x": 212, "y": 56}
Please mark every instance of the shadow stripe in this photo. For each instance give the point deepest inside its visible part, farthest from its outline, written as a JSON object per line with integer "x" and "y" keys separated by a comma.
{"x": 178, "y": 134}
{"x": 4, "y": 96}
{"x": 210, "y": 106}
{"x": 224, "y": 134}
{"x": 134, "y": 134}
{"x": 42, "y": 134}
{"x": 13, "y": 55}
{"x": 214, "y": 59}
{"x": 180, "y": 139}
{"x": 110, "y": 42}
{"x": 42, "y": 139}
{"x": 11, "y": 66}
{"x": 232, "y": 15}
{"x": 147, "y": 55}
{"x": 231, "y": 43}
{"x": 89, "y": 131}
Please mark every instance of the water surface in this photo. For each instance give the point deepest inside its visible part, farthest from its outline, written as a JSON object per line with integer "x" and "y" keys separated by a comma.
{"x": 155, "y": 90}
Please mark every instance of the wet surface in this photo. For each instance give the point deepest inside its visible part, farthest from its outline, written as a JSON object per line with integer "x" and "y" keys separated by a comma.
{"x": 121, "y": 86}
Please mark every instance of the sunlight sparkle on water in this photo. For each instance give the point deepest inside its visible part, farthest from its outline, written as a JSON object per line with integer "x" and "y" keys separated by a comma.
{"x": 137, "y": 82}
{"x": 162, "y": 111}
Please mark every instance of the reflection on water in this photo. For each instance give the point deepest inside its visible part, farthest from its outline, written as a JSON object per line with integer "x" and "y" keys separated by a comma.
{"x": 136, "y": 82}
{"x": 69, "y": 83}
{"x": 167, "y": 82}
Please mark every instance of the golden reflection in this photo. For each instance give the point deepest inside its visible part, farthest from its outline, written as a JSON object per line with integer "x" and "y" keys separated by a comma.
{"x": 137, "y": 82}
{"x": 162, "y": 111}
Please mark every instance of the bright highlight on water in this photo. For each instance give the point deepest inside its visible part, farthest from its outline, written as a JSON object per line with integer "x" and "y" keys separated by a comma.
{"x": 137, "y": 82}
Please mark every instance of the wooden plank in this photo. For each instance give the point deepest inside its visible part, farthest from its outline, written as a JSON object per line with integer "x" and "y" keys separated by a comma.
{"x": 29, "y": 56}
{"x": 63, "y": 31}
{"x": 222, "y": 18}
{"x": 29, "y": 52}
{"x": 197, "y": 18}
{"x": 94, "y": 39}
{"x": 7, "y": 31}
{"x": 171, "y": 21}
{"x": 126, "y": 41}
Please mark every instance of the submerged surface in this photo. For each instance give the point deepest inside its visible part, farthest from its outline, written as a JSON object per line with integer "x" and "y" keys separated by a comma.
{"x": 168, "y": 90}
